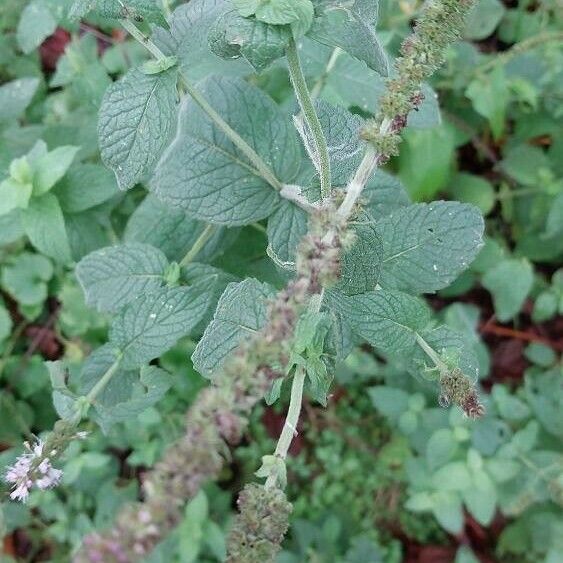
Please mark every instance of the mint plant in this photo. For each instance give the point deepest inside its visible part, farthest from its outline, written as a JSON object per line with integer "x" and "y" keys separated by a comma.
{"x": 217, "y": 153}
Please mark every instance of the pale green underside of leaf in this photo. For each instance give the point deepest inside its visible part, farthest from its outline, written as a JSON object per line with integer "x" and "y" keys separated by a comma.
{"x": 240, "y": 313}
{"x": 154, "y": 322}
{"x": 350, "y": 26}
{"x": 44, "y": 225}
{"x": 84, "y": 186}
{"x": 15, "y": 96}
{"x": 426, "y": 246}
{"x": 203, "y": 173}
{"x": 136, "y": 120}
{"x": 112, "y": 277}
{"x": 172, "y": 231}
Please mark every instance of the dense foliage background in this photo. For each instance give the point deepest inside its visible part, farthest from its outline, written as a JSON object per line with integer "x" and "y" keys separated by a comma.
{"x": 383, "y": 473}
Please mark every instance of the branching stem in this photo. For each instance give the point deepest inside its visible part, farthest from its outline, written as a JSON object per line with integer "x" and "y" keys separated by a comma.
{"x": 309, "y": 113}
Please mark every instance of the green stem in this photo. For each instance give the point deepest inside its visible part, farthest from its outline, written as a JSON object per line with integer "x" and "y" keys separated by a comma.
{"x": 292, "y": 418}
{"x": 206, "y": 234}
{"x": 519, "y": 48}
{"x": 100, "y": 385}
{"x": 311, "y": 118}
{"x": 431, "y": 353}
{"x": 262, "y": 169}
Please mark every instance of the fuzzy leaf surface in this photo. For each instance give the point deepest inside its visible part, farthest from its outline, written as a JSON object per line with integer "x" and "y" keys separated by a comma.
{"x": 154, "y": 322}
{"x": 350, "y": 26}
{"x": 427, "y": 245}
{"x": 203, "y": 173}
{"x": 260, "y": 44}
{"x": 240, "y": 313}
{"x": 171, "y": 230}
{"x": 112, "y": 277}
{"x": 135, "y": 123}
{"x": 388, "y": 320}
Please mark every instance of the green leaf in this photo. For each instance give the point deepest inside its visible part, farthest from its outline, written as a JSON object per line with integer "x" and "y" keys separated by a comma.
{"x": 112, "y": 277}
{"x": 490, "y": 96}
{"x": 545, "y": 397}
{"x": 85, "y": 186}
{"x": 118, "y": 389}
{"x": 450, "y": 344}
{"x": 135, "y": 123}
{"x": 205, "y": 174}
{"x": 509, "y": 282}
{"x": 452, "y": 477}
{"x": 151, "y": 324}
{"x": 152, "y": 385}
{"x": 425, "y": 160}
{"x": 468, "y": 188}
{"x": 361, "y": 264}
{"x": 190, "y": 25}
{"x": 36, "y": 24}
{"x": 171, "y": 230}
{"x": 240, "y": 313}
{"x": 13, "y": 195}
{"x": 383, "y": 195}
{"x": 483, "y": 19}
{"x": 5, "y": 322}
{"x": 447, "y": 509}
{"x": 44, "y": 225}
{"x": 440, "y": 448}
{"x": 350, "y": 26}
{"x": 286, "y": 227}
{"x": 51, "y": 167}
{"x": 137, "y": 10}
{"x": 390, "y": 401}
{"x": 24, "y": 277}
{"x": 426, "y": 246}
{"x": 214, "y": 279}
{"x": 341, "y": 129}
{"x": 481, "y": 498}
{"x": 260, "y": 44}
{"x": 388, "y": 320}
{"x": 15, "y": 96}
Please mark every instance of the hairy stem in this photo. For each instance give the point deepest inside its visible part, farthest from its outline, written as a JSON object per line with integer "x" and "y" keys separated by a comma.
{"x": 291, "y": 420}
{"x": 100, "y": 385}
{"x": 205, "y": 235}
{"x": 261, "y": 167}
{"x": 519, "y": 48}
{"x": 289, "y": 430}
{"x": 311, "y": 118}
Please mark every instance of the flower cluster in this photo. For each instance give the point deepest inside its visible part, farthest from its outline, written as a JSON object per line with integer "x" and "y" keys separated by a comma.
{"x": 32, "y": 469}
{"x": 421, "y": 54}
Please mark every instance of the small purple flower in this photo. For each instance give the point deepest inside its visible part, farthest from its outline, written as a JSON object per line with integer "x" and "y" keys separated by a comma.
{"x": 29, "y": 469}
